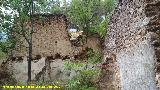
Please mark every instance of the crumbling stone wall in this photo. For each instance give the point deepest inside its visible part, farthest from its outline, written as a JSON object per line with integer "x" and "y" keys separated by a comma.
{"x": 51, "y": 47}
{"x": 133, "y": 37}
{"x": 50, "y": 36}
{"x": 51, "y": 39}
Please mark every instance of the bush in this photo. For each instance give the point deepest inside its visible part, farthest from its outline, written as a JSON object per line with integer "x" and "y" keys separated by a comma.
{"x": 101, "y": 28}
{"x": 85, "y": 80}
{"x": 94, "y": 57}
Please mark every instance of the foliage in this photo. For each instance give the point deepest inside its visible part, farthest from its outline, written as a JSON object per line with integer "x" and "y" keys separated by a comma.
{"x": 85, "y": 80}
{"x": 6, "y": 43}
{"x": 68, "y": 65}
{"x": 101, "y": 29}
{"x": 48, "y": 6}
{"x": 14, "y": 9}
{"x": 108, "y": 6}
{"x": 94, "y": 57}
{"x": 80, "y": 12}
{"x": 24, "y": 10}
{"x": 87, "y": 14}
{"x": 5, "y": 49}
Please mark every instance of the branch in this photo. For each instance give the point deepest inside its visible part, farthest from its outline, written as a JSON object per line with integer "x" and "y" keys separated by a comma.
{"x": 25, "y": 37}
{"x": 23, "y": 34}
{"x": 31, "y": 13}
{"x": 28, "y": 6}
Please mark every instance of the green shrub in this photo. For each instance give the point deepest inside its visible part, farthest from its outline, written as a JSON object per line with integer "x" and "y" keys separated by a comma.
{"x": 85, "y": 78}
{"x": 94, "y": 57}
{"x": 83, "y": 81}
{"x": 101, "y": 28}
{"x": 68, "y": 65}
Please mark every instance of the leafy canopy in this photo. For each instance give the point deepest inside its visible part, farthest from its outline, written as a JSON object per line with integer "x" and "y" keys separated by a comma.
{"x": 88, "y": 14}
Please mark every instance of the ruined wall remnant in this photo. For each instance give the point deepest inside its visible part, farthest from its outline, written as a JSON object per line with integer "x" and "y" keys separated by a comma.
{"x": 52, "y": 45}
{"x": 51, "y": 37}
{"x": 41, "y": 71}
{"x": 133, "y": 37}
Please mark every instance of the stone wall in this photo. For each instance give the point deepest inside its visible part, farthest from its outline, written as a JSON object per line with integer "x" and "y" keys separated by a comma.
{"x": 51, "y": 38}
{"x": 133, "y": 39}
{"x": 51, "y": 47}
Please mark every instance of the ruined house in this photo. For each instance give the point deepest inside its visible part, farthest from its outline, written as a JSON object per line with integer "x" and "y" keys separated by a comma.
{"x": 51, "y": 38}
{"x": 132, "y": 46}
{"x": 52, "y": 45}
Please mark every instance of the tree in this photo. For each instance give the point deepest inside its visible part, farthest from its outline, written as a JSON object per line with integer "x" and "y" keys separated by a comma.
{"x": 48, "y": 6}
{"x": 24, "y": 15}
{"x": 13, "y": 24}
{"x": 24, "y": 12}
{"x": 87, "y": 14}
{"x": 6, "y": 20}
{"x": 30, "y": 42}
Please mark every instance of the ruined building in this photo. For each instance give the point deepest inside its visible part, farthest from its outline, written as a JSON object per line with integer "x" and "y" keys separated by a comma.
{"x": 132, "y": 46}
{"x": 51, "y": 38}
{"x": 52, "y": 46}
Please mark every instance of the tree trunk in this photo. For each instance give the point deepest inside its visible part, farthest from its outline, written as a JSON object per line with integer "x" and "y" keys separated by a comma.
{"x": 30, "y": 42}
{"x": 29, "y": 62}
{"x": 130, "y": 46}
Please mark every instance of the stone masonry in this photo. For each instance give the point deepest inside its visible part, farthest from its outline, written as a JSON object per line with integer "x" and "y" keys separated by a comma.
{"x": 132, "y": 46}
